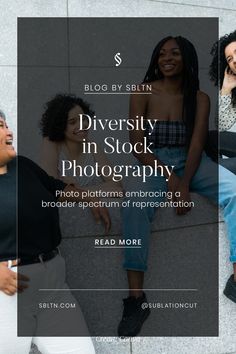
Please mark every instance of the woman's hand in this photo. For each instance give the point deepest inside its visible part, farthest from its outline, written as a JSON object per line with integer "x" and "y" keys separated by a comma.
{"x": 229, "y": 82}
{"x": 101, "y": 214}
{"x": 173, "y": 184}
{"x": 8, "y": 279}
{"x": 70, "y": 180}
{"x": 176, "y": 184}
{"x": 183, "y": 190}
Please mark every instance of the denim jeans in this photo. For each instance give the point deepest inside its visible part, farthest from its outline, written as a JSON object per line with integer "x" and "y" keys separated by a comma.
{"x": 229, "y": 163}
{"x": 210, "y": 180}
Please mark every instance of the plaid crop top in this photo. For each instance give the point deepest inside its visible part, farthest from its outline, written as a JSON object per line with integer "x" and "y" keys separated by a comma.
{"x": 167, "y": 133}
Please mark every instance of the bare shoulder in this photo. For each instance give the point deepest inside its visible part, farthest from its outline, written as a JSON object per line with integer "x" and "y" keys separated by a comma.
{"x": 51, "y": 144}
{"x": 143, "y": 87}
{"x": 140, "y": 92}
{"x": 203, "y": 98}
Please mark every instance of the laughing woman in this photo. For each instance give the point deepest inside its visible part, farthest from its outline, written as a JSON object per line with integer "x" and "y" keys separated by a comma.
{"x": 64, "y": 138}
{"x": 178, "y": 139}
{"x": 37, "y": 256}
{"x": 223, "y": 73}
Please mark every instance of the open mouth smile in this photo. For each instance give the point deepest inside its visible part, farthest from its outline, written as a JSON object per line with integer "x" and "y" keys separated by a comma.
{"x": 168, "y": 66}
{"x": 9, "y": 142}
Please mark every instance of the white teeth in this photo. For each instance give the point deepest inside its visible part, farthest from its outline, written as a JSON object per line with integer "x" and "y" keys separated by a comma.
{"x": 9, "y": 142}
{"x": 168, "y": 66}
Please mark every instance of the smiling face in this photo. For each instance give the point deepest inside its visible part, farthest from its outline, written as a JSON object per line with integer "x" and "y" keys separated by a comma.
{"x": 7, "y": 152}
{"x": 170, "y": 60}
{"x": 230, "y": 56}
{"x": 73, "y": 132}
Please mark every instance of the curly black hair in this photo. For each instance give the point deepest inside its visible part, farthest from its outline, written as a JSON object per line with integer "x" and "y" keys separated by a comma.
{"x": 54, "y": 119}
{"x": 190, "y": 77}
{"x": 219, "y": 62}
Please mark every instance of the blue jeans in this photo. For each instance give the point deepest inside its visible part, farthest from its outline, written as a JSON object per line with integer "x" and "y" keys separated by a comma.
{"x": 136, "y": 222}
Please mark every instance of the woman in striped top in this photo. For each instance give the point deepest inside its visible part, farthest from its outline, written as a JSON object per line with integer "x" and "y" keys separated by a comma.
{"x": 179, "y": 139}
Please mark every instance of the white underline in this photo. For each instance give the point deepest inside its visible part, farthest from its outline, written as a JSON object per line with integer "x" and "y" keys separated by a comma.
{"x": 117, "y": 246}
{"x": 117, "y": 93}
{"x": 118, "y": 289}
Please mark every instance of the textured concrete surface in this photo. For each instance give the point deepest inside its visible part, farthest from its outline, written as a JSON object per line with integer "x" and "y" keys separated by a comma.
{"x": 225, "y": 10}
{"x": 72, "y": 228}
{"x": 76, "y": 249}
{"x": 102, "y": 269}
{"x": 205, "y": 345}
{"x": 9, "y": 11}
{"x": 12, "y": 9}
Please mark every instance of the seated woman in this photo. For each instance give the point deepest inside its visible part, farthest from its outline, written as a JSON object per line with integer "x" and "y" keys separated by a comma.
{"x": 64, "y": 140}
{"x": 32, "y": 253}
{"x": 178, "y": 139}
{"x": 223, "y": 73}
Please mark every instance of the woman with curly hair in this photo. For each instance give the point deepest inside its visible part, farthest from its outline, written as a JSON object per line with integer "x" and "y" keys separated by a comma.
{"x": 223, "y": 73}
{"x": 64, "y": 139}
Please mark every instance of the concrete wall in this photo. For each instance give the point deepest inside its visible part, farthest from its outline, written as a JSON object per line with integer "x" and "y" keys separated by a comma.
{"x": 225, "y": 10}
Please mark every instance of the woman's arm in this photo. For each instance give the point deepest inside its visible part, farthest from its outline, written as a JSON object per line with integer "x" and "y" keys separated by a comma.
{"x": 49, "y": 158}
{"x": 108, "y": 184}
{"x": 55, "y": 186}
{"x": 195, "y": 150}
{"x": 11, "y": 282}
{"x": 198, "y": 138}
{"x": 227, "y": 113}
{"x": 100, "y": 213}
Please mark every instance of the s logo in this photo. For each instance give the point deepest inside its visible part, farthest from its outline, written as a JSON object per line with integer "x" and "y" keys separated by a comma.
{"x": 117, "y": 59}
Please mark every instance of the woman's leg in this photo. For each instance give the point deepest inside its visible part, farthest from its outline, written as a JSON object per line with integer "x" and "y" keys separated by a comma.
{"x": 229, "y": 163}
{"x": 136, "y": 220}
{"x": 219, "y": 184}
{"x": 61, "y": 321}
{"x": 9, "y": 342}
{"x": 228, "y": 143}
{"x": 136, "y": 226}
{"x": 64, "y": 345}
{"x": 227, "y": 201}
